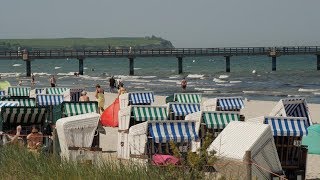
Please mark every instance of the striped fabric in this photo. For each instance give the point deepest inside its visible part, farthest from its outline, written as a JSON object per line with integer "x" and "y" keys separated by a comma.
{"x": 49, "y": 99}
{"x": 219, "y": 120}
{"x": 8, "y": 103}
{"x": 149, "y": 113}
{"x": 179, "y": 131}
{"x": 55, "y": 90}
{"x": 136, "y": 98}
{"x": 39, "y": 90}
{"x": 30, "y": 102}
{"x": 77, "y": 108}
{"x": 286, "y": 126}
{"x": 227, "y": 104}
{"x": 187, "y": 97}
{"x": 23, "y": 115}
{"x": 19, "y": 91}
{"x": 183, "y": 109}
{"x": 2, "y": 93}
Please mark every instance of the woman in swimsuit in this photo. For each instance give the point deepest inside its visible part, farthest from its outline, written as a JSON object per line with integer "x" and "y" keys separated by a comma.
{"x": 100, "y": 98}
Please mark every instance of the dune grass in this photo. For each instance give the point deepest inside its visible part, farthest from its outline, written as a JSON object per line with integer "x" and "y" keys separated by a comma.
{"x": 18, "y": 163}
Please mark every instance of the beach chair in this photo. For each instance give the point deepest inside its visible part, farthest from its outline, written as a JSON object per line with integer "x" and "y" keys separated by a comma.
{"x": 243, "y": 141}
{"x": 76, "y": 134}
{"x": 178, "y": 111}
{"x": 187, "y": 98}
{"x": 52, "y": 102}
{"x": 153, "y": 137}
{"x": 25, "y": 116}
{"x": 133, "y": 115}
{"x": 19, "y": 91}
{"x": 23, "y": 101}
{"x": 288, "y": 133}
{"x": 292, "y": 107}
{"x": 75, "y": 94}
{"x": 212, "y": 122}
{"x": 136, "y": 98}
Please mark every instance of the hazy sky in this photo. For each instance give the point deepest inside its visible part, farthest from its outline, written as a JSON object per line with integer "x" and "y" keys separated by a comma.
{"x": 186, "y": 23}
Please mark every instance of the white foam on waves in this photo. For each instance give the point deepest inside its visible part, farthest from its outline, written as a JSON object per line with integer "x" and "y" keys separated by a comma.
{"x": 16, "y": 65}
{"x": 223, "y": 76}
{"x": 218, "y": 80}
{"x": 308, "y": 90}
{"x": 57, "y": 67}
{"x": 195, "y": 75}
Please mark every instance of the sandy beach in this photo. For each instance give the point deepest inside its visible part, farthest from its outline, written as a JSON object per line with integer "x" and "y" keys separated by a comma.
{"x": 252, "y": 109}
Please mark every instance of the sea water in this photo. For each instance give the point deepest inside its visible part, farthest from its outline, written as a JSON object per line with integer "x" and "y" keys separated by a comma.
{"x": 250, "y": 76}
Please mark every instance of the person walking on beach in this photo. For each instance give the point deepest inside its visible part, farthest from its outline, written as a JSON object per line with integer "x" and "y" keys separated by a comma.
{"x": 112, "y": 84}
{"x": 53, "y": 81}
{"x": 100, "y": 98}
{"x": 184, "y": 84}
{"x": 84, "y": 96}
{"x": 121, "y": 90}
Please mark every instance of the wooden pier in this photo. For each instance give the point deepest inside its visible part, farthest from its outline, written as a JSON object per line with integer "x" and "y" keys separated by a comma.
{"x": 178, "y": 53}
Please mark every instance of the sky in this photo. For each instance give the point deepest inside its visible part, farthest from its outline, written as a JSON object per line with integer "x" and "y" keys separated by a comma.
{"x": 186, "y": 23}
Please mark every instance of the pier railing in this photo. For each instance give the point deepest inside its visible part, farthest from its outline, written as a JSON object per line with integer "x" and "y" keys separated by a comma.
{"x": 177, "y": 52}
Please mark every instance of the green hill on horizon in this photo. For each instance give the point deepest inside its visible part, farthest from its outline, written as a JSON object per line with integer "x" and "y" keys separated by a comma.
{"x": 86, "y": 43}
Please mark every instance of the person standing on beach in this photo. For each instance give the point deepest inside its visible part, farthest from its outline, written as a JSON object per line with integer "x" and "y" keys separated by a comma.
{"x": 100, "y": 98}
{"x": 121, "y": 90}
{"x": 32, "y": 79}
{"x": 112, "y": 84}
{"x": 184, "y": 84}
{"x": 53, "y": 81}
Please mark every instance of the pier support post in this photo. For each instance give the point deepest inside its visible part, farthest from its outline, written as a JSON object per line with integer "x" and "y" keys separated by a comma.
{"x": 131, "y": 66}
{"x": 227, "y": 63}
{"x": 274, "y": 63}
{"x": 318, "y": 61}
{"x": 180, "y": 65}
{"x": 80, "y": 66}
{"x": 28, "y": 66}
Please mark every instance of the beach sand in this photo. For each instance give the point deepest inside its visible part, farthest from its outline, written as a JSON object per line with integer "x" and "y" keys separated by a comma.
{"x": 252, "y": 109}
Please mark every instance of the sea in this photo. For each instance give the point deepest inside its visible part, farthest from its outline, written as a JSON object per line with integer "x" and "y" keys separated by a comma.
{"x": 251, "y": 76}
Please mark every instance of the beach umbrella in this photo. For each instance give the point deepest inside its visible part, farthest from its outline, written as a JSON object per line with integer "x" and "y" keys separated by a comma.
{"x": 4, "y": 85}
{"x": 312, "y": 140}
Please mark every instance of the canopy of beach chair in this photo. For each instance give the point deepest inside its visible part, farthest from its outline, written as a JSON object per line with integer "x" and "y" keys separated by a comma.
{"x": 287, "y": 126}
{"x": 145, "y": 113}
{"x": 77, "y": 108}
{"x": 312, "y": 140}
{"x": 176, "y": 131}
{"x": 19, "y": 91}
{"x": 136, "y": 98}
{"x": 76, "y": 131}
{"x": 187, "y": 97}
{"x": 230, "y": 103}
{"x": 23, "y": 101}
{"x": 23, "y": 115}
{"x": 219, "y": 119}
{"x": 8, "y": 103}
{"x": 49, "y": 99}
{"x": 292, "y": 107}
{"x": 181, "y": 109}
{"x": 55, "y": 90}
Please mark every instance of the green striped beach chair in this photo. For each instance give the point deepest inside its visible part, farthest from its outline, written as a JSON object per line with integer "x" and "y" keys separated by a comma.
{"x": 188, "y": 97}
{"x": 10, "y": 117}
{"x": 19, "y": 91}
{"x": 77, "y": 108}
{"x": 56, "y": 90}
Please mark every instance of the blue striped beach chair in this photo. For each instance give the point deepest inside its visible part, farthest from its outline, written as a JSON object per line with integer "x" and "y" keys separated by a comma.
{"x": 292, "y": 107}
{"x": 178, "y": 111}
{"x": 288, "y": 133}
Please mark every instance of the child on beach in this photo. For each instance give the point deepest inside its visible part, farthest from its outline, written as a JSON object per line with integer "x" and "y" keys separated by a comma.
{"x": 53, "y": 81}
{"x": 100, "y": 98}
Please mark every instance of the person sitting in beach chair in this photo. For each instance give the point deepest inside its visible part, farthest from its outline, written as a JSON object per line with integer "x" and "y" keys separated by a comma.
{"x": 34, "y": 139}
{"x": 9, "y": 139}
